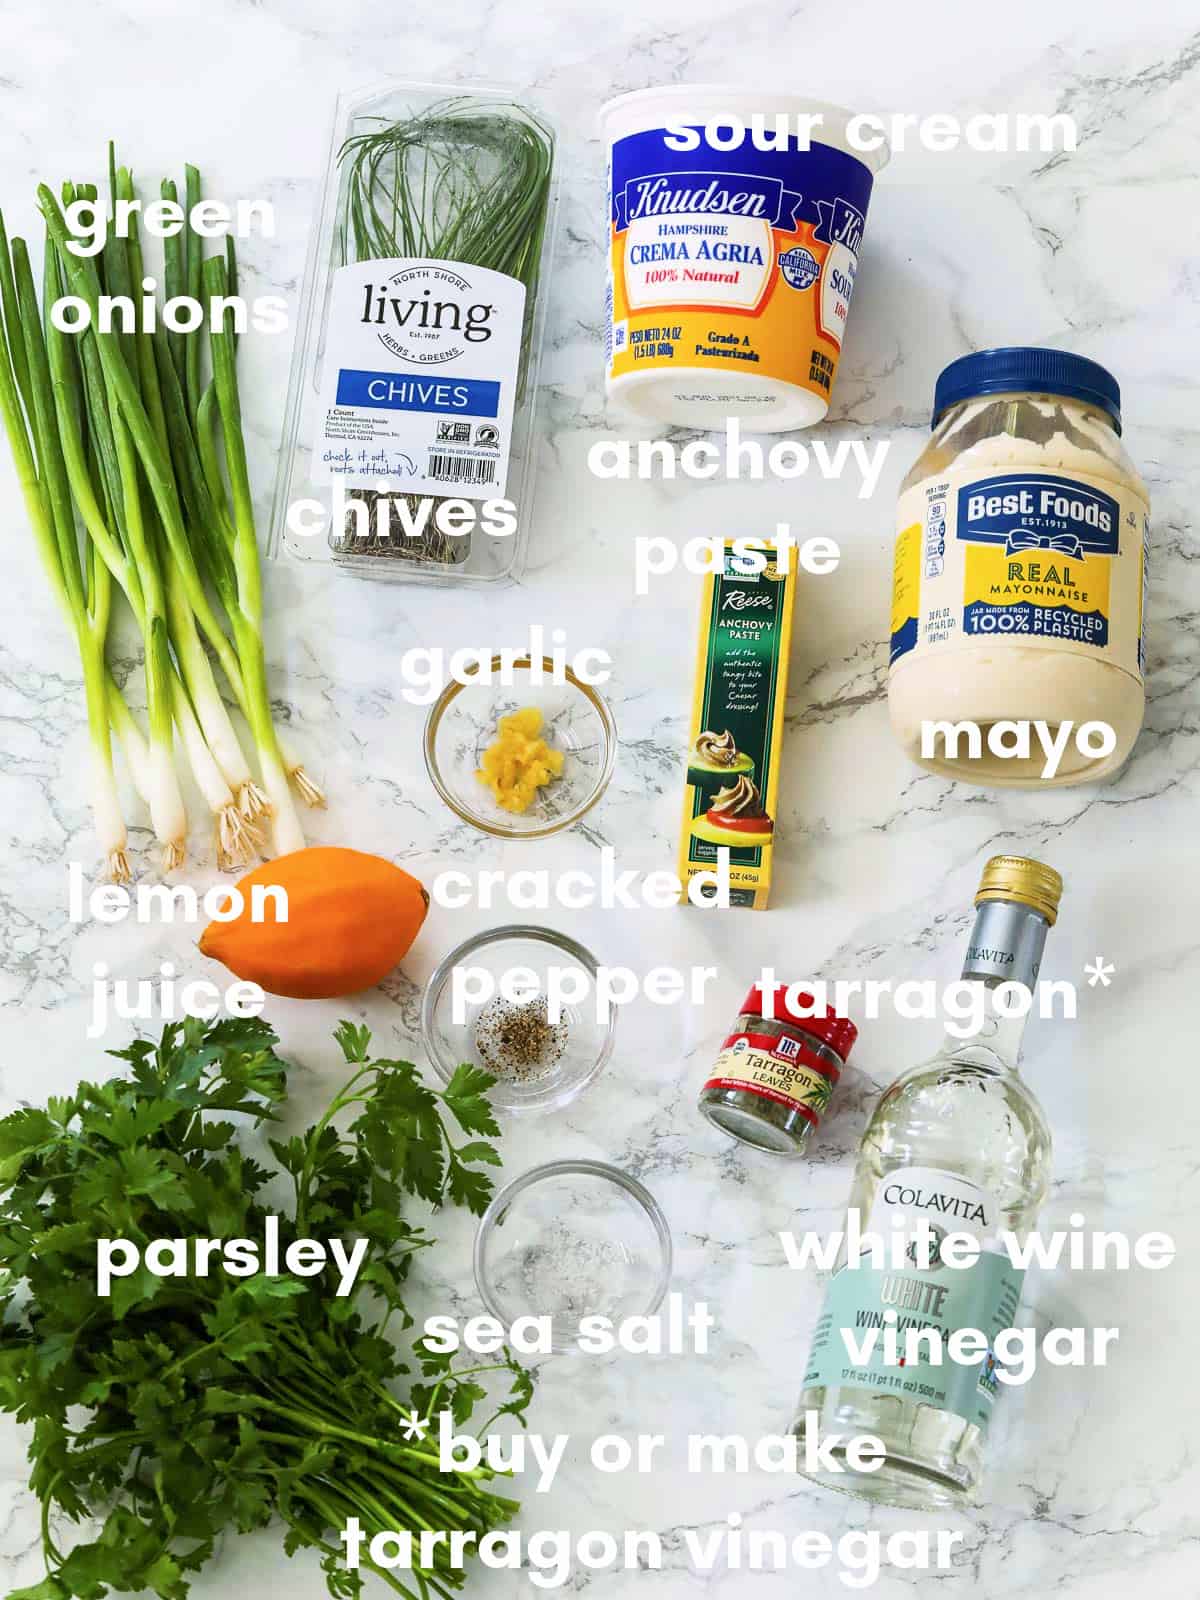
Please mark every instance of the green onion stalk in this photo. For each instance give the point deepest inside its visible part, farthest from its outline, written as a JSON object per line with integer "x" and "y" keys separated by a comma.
{"x": 204, "y": 725}
{"x": 163, "y": 535}
{"x": 217, "y": 503}
{"x": 244, "y": 605}
{"x": 122, "y": 530}
{"x": 130, "y": 738}
{"x": 210, "y": 720}
{"x": 81, "y": 587}
{"x": 131, "y": 461}
{"x": 162, "y": 791}
{"x": 117, "y": 529}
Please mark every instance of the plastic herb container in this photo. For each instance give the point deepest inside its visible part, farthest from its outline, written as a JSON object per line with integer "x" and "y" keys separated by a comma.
{"x": 409, "y": 440}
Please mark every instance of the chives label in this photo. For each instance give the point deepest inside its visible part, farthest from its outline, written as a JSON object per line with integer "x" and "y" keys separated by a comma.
{"x": 420, "y": 378}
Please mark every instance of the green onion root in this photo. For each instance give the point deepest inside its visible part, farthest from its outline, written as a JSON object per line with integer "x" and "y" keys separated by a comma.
{"x": 238, "y": 840}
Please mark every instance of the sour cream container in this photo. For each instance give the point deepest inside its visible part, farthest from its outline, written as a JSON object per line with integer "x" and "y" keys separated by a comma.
{"x": 731, "y": 265}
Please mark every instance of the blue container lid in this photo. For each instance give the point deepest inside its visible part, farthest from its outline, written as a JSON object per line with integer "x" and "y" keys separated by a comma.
{"x": 1029, "y": 368}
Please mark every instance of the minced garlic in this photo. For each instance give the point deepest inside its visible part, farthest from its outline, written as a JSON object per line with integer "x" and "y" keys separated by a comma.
{"x": 519, "y": 762}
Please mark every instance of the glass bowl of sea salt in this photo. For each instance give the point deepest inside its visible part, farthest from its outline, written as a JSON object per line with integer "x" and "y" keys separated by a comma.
{"x": 569, "y": 1240}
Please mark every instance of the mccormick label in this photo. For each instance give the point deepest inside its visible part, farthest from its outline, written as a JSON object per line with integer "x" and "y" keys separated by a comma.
{"x": 1037, "y": 556}
{"x": 784, "y": 1070}
{"x": 864, "y": 1299}
{"x": 419, "y": 378}
{"x": 739, "y": 260}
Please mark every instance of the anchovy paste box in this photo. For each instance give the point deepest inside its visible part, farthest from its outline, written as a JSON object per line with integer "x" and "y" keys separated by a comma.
{"x": 735, "y": 741}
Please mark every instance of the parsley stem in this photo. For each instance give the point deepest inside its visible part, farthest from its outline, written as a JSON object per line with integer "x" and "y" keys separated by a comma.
{"x": 330, "y": 1430}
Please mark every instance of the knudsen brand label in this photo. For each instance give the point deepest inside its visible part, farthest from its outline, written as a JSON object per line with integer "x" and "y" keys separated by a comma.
{"x": 782, "y": 1069}
{"x": 737, "y": 260}
{"x": 419, "y": 378}
{"x": 1036, "y": 557}
{"x": 983, "y": 1297}
{"x": 740, "y": 689}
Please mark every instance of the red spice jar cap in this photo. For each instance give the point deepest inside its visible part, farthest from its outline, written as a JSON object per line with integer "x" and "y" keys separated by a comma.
{"x": 839, "y": 1033}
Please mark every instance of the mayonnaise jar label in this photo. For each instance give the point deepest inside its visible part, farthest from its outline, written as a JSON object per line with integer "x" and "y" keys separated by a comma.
{"x": 1041, "y": 557}
{"x": 738, "y": 259}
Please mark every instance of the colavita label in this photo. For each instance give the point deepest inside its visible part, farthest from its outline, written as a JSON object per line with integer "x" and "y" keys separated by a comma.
{"x": 782, "y": 1069}
{"x": 984, "y": 1297}
{"x": 739, "y": 260}
{"x": 1039, "y": 557}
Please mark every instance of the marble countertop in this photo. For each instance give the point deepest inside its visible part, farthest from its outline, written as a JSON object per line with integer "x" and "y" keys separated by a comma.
{"x": 1093, "y": 1485}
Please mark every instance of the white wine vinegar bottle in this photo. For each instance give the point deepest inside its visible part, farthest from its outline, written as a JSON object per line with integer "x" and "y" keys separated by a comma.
{"x": 961, "y": 1144}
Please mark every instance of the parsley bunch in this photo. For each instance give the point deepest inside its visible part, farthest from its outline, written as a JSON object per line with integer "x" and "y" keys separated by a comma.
{"x": 177, "y": 1408}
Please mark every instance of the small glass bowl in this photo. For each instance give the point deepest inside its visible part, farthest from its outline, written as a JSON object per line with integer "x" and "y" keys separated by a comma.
{"x": 462, "y": 723}
{"x": 497, "y": 1032}
{"x": 570, "y": 1240}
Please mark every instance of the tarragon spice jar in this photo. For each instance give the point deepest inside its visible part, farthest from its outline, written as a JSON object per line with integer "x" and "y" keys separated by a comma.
{"x": 776, "y": 1072}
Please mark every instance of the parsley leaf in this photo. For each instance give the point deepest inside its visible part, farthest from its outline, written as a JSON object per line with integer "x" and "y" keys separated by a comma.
{"x": 178, "y": 1408}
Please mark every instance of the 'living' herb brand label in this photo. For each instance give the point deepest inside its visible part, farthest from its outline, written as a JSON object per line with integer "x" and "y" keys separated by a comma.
{"x": 420, "y": 378}
{"x": 736, "y": 736}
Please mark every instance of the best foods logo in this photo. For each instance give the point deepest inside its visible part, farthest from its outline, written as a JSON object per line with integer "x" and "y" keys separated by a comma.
{"x": 1039, "y": 512}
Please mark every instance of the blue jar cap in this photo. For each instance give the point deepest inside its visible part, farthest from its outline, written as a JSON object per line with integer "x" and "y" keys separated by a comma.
{"x": 1030, "y": 368}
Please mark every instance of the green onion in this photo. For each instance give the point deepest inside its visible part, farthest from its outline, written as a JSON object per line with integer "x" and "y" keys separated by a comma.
{"x": 82, "y": 589}
{"x": 242, "y": 659}
{"x": 146, "y": 594}
{"x": 245, "y": 605}
{"x": 193, "y": 424}
{"x": 235, "y": 843}
{"x": 114, "y": 436}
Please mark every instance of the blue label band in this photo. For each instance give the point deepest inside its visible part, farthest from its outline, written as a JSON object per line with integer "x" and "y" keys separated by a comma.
{"x": 660, "y": 194}
{"x": 389, "y": 391}
{"x": 840, "y": 223}
{"x": 1038, "y": 511}
{"x": 821, "y": 185}
{"x": 904, "y": 639}
{"x": 1036, "y": 621}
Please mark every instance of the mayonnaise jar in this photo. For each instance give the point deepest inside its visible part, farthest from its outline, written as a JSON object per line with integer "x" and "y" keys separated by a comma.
{"x": 1020, "y": 573}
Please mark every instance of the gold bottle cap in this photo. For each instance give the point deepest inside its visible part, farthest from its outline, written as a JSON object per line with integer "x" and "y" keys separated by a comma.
{"x": 1020, "y": 878}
